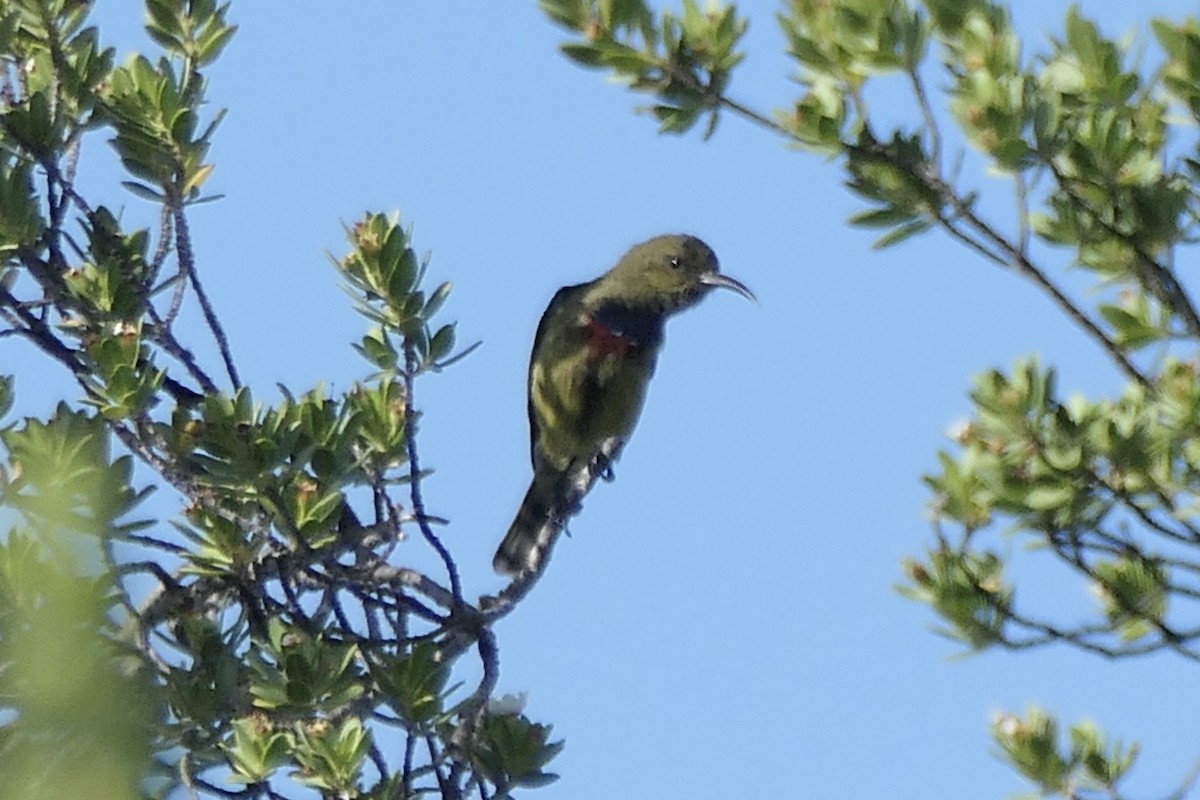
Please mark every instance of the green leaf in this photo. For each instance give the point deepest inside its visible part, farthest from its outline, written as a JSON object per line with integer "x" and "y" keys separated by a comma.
{"x": 145, "y": 192}
{"x": 570, "y": 14}
{"x": 901, "y": 233}
{"x": 414, "y": 683}
{"x": 213, "y": 43}
{"x": 436, "y": 300}
{"x": 884, "y": 217}
{"x": 586, "y": 55}
{"x": 1050, "y": 498}
{"x": 441, "y": 344}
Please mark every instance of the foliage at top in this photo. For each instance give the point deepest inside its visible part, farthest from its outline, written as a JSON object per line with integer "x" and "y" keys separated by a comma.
{"x": 1102, "y": 159}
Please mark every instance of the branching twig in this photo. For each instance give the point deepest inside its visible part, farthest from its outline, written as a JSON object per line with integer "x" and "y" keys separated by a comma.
{"x": 1157, "y": 279}
{"x": 935, "y": 134}
{"x": 161, "y": 251}
{"x": 414, "y": 479}
{"x": 1185, "y": 786}
{"x": 402, "y": 577}
{"x": 1008, "y": 254}
{"x": 404, "y": 790}
{"x": 449, "y": 790}
{"x": 475, "y": 706}
{"x": 183, "y": 249}
{"x": 1011, "y": 256}
{"x": 39, "y": 332}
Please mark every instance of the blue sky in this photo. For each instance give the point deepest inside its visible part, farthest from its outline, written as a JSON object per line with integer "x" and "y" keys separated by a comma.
{"x": 722, "y": 622}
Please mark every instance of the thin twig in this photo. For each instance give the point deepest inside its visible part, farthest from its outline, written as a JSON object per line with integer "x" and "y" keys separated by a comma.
{"x": 1185, "y": 786}
{"x": 935, "y": 135}
{"x": 414, "y": 479}
{"x": 400, "y": 577}
{"x": 1168, "y": 637}
{"x": 183, "y": 250}
{"x": 1029, "y": 270}
{"x": 1022, "y": 196}
{"x": 249, "y": 791}
{"x": 150, "y": 541}
{"x": 176, "y": 304}
{"x": 475, "y": 706}
{"x": 949, "y": 227}
{"x": 1013, "y": 255}
{"x": 161, "y": 251}
{"x": 1050, "y": 634}
{"x": 404, "y": 790}
{"x": 39, "y": 332}
{"x": 448, "y": 789}
{"x": 377, "y": 758}
{"x": 1155, "y": 278}
{"x": 165, "y": 338}
{"x": 758, "y": 119}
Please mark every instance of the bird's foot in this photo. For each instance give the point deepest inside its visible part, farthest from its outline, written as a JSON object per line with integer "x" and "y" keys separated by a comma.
{"x": 602, "y": 468}
{"x": 601, "y": 465}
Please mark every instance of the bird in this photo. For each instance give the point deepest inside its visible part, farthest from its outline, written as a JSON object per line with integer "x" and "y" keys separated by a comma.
{"x": 593, "y": 356}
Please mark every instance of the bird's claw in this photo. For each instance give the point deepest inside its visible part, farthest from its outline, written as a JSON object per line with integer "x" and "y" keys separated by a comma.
{"x": 602, "y": 468}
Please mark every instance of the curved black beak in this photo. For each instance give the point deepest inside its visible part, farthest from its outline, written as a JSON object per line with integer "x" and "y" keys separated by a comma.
{"x": 720, "y": 280}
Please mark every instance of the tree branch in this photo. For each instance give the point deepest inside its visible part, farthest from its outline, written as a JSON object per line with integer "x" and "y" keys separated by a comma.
{"x": 183, "y": 247}
{"x": 414, "y": 478}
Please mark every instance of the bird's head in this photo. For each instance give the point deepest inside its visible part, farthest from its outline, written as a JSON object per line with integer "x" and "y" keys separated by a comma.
{"x": 670, "y": 273}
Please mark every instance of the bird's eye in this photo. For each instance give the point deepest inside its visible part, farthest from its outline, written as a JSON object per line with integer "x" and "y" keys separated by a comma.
{"x": 675, "y": 262}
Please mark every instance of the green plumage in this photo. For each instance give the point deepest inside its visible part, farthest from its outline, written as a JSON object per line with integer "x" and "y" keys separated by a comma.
{"x": 593, "y": 356}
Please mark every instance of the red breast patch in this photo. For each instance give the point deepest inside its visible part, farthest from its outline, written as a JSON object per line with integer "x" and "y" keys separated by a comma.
{"x": 604, "y": 341}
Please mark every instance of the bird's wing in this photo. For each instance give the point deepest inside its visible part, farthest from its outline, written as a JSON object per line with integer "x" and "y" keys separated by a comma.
{"x": 564, "y": 303}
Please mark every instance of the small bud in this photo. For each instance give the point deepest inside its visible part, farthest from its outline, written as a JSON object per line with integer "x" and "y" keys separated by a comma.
{"x": 916, "y": 572}
{"x": 1007, "y": 725}
{"x": 508, "y": 705}
{"x": 960, "y": 431}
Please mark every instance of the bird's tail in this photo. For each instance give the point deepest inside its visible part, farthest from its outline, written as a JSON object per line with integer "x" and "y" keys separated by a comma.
{"x": 532, "y": 533}
{"x": 554, "y": 496}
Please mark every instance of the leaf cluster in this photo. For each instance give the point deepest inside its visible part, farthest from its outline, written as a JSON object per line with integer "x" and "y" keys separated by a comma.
{"x": 1087, "y": 763}
{"x": 685, "y": 60}
{"x": 1098, "y": 153}
{"x": 270, "y": 633}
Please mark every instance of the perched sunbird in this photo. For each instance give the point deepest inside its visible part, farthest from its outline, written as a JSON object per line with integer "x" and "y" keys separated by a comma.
{"x": 593, "y": 356}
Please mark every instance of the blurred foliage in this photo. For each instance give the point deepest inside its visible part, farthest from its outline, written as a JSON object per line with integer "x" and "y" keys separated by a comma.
{"x": 266, "y": 639}
{"x": 80, "y": 714}
{"x": 1097, "y": 140}
{"x": 1088, "y": 763}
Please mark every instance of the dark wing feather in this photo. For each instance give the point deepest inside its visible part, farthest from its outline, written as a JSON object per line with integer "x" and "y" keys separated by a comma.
{"x": 564, "y": 302}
